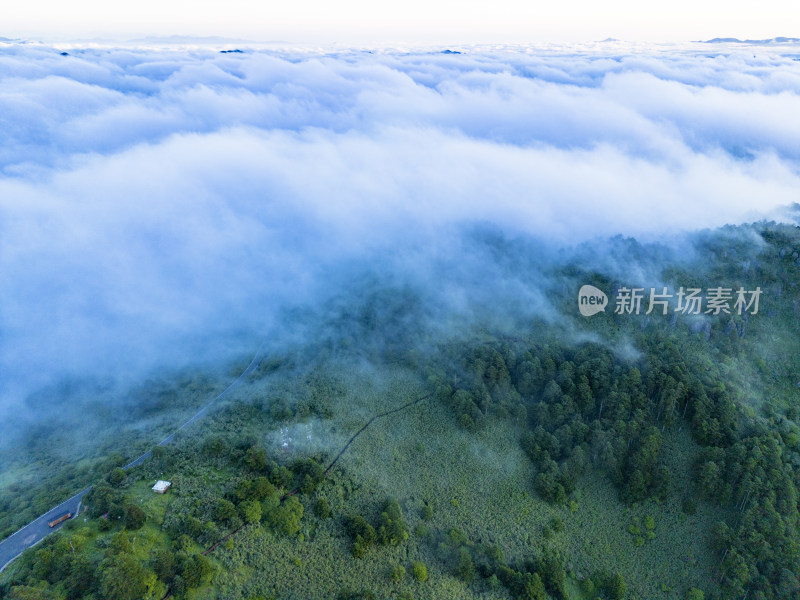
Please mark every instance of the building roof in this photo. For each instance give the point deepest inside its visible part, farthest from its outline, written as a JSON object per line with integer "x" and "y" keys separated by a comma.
{"x": 161, "y": 486}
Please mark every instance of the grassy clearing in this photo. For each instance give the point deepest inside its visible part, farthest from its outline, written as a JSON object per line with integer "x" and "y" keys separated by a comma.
{"x": 478, "y": 482}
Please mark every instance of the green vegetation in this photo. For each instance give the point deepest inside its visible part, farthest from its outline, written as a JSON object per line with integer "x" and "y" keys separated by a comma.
{"x": 649, "y": 458}
{"x": 65, "y": 451}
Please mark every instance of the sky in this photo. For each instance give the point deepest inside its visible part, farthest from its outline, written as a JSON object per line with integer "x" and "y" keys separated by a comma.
{"x": 159, "y": 202}
{"x": 423, "y": 21}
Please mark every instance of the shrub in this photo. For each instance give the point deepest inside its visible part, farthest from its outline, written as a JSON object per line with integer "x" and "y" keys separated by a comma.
{"x": 397, "y": 574}
{"x": 134, "y": 516}
{"x": 321, "y": 509}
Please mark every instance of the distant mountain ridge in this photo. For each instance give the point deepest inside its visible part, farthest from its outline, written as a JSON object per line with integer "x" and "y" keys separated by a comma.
{"x": 186, "y": 39}
{"x": 775, "y": 40}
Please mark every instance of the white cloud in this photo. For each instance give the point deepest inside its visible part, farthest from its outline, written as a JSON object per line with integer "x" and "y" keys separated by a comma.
{"x": 150, "y": 200}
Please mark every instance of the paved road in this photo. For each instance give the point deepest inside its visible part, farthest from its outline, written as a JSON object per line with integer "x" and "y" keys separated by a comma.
{"x": 35, "y": 531}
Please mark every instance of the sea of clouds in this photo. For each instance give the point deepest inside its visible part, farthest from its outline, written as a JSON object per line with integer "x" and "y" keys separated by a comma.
{"x": 157, "y": 202}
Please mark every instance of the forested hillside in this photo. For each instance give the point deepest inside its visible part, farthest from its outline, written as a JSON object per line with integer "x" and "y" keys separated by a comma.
{"x": 550, "y": 456}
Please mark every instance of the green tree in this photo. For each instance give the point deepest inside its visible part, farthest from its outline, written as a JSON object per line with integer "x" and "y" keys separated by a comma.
{"x": 123, "y": 578}
{"x": 134, "y": 518}
{"x": 256, "y": 458}
{"x": 120, "y": 544}
{"x": 24, "y": 592}
{"x": 163, "y": 565}
{"x": 285, "y": 518}
{"x": 532, "y": 587}
{"x": 358, "y": 526}
{"x": 398, "y": 573}
{"x": 588, "y": 587}
{"x": 196, "y": 570}
{"x": 321, "y": 509}
{"x": 261, "y": 488}
{"x": 250, "y": 511}
{"x": 308, "y": 485}
{"x": 282, "y": 477}
{"x": 392, "y": 529}
{"x": 80, "y": 581}
{"x": 178, "y": 587}
{"x": 420, "y": 571}
{"x": 117, "y": 476}
{"x": 360, "y": 547}
{"x": 465, "y": 569}
{"x": 616, "y": 587}
{"x": 225, "y": 510}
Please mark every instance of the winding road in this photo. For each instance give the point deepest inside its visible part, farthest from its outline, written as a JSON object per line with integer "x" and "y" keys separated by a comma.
{"x": 35, "y": 531}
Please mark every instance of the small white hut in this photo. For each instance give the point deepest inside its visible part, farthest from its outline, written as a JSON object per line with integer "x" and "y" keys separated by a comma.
{"x": 161, "y": 487}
